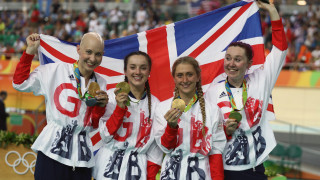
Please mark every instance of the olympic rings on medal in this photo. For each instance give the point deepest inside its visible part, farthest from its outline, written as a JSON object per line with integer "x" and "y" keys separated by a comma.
{"x": 23, "y": 160}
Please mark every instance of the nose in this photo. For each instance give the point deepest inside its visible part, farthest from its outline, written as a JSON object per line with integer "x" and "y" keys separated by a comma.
{"x": 137, "y": 71}
{"x": 92, "y": 57}
{"x": 232, "y": 62}
{"x": 184, "y": 79}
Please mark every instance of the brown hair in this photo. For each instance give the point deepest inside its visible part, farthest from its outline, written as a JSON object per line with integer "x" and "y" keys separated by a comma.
{"x": 195, "y": 64}
{"x": 147, "y": 86}
{"x": 247, "y": 48}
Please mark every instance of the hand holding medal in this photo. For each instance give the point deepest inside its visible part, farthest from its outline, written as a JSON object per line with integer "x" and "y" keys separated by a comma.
{"x": 121, "y": 92}
{"x": 172, "y": 116}
{"x": 233, "y": 122}
{"x": 235, "y": 115}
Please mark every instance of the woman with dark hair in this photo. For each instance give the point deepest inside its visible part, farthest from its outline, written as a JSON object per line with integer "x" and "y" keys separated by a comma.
{"x": 243, "y": 102}
{"x": 127, "y": 130}
{"x": 193, "y": 140}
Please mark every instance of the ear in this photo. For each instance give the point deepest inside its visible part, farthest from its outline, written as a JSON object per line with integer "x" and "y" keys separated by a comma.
{"x": 250, "y": 63}
{"x": 78, "y": 49}
{"x": 199, "y": 77}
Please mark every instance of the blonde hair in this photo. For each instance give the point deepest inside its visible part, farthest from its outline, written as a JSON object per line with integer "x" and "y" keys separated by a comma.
{"x": 195, "y": 64}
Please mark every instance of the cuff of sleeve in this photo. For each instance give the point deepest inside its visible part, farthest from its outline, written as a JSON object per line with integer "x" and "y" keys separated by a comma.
{"x": 115, "y": 120}
{"x": 169, "y": 138}
{"x": 152, "y": 170}
{"x": 276, "y": 24}
{"x": 120, "y": 111}
{"x": 172, "y": 131}
{"x": 26, "y": 57}
{"x": 278, "y": 35}
{"x": 99, "y": 110}
{"x": 97, "y": 113}
{"x": 216, "y": 166}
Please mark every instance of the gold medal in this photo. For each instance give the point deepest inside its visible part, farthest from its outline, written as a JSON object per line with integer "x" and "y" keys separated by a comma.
{"x": 93, "y": 87}
{"x": 235, "y": 115}
{"x": 124, "y": 87}
{"x": 179, "y": 104}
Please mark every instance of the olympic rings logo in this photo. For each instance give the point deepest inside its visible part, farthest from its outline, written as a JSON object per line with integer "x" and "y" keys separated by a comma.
{"x": 23, "y": 160}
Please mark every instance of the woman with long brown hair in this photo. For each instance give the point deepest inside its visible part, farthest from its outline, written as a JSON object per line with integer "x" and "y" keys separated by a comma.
{"x": 194, "y": 138}
{"x": 127, "y": 129}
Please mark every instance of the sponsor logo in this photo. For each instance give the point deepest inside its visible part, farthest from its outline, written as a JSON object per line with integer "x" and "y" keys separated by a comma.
{"x": 223, "y": 94}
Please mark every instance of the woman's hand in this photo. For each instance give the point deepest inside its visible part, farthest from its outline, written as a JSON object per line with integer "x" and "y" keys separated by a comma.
{"x": 33, "y": 42}
{"x": 172, "y": 117}
{"x": 121, "y": 98}
{"x": 102, "y": 98}
{"x": 274, "y": 15}
{"x": 231, "y": 126}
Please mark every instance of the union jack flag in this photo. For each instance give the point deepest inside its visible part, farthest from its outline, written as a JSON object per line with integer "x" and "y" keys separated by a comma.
{"x": 203, "y": 37}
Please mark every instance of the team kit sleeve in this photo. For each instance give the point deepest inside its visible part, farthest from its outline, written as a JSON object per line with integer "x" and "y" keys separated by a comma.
{"x": 154, "y": 157}
{"x": 111, "y": 122}
{"x": 165, "y": 136}
{"x": 211, "y": 98}
{"x": 97, "y": 111}
{"x": 154, "y": 153}
{"x": 275, "y": 59}
{"x": 217, "y": 145}
{"x": 25, "y": 81}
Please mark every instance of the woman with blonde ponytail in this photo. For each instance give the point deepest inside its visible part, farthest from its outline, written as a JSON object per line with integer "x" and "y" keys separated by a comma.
{"x": 129, "y": 151}
{"x": 193, "y": 140}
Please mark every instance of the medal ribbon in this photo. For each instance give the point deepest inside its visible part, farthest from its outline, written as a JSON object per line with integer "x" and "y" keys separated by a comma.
{"x": 77, "y": 74}
{"x": 231, "y": 98}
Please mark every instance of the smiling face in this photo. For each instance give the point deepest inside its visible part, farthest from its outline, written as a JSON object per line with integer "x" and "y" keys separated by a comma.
{"x": 90, "y": 53}
{"x": 137, "y": 71}
{"x": 186, "y": 78}
{"x": 235, "y": 64}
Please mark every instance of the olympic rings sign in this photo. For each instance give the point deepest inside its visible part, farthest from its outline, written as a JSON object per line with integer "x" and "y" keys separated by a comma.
{"x": 23, "y": 160}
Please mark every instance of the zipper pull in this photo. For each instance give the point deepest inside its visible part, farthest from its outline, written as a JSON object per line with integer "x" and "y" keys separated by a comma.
{"x": 73, "y": 168}
{"x": 254, "y": 169}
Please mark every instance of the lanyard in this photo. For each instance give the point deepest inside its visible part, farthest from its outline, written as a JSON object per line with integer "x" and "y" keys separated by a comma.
{"x": 191, "y": 103}
{"x": 244, "y": 94}
{"x": 143, "y": 96}
{"x": 77, "y": 74}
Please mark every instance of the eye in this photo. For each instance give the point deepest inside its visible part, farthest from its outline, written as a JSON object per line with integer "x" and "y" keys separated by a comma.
{"x": 228, "y": 58}
{"x": 99, "y": 54}
{"x": 189, "y": 74}
{"x": 238, "y": 59}
{"x": 144, "y": 68}
{"x": 179, "y": 75}
{"x": 89, "y": 52}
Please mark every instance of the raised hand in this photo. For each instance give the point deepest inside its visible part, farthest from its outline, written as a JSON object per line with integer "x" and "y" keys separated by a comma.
{"x": 274, "y": 15}
{"x": 33, "y": 42}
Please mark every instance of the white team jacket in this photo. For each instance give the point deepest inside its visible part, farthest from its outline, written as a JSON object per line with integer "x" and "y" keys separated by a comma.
{"x": 190, "y": 158}
{"x": 254, "y": 139}
{"x": 65, "y": 137}
{"x": 124, "y": 154}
